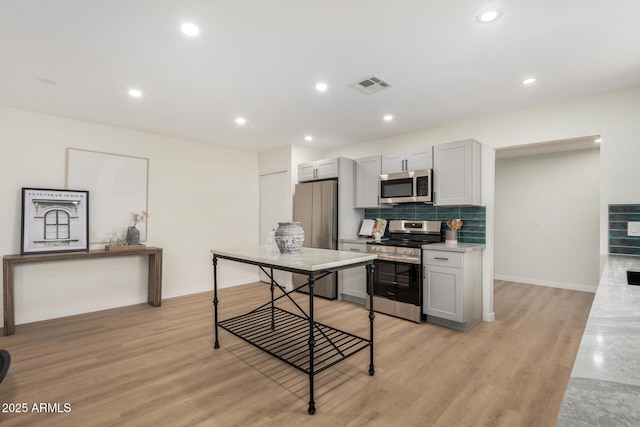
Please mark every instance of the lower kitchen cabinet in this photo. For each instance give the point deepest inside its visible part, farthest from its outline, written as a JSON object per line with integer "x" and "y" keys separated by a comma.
{"x": 352, "y": 282}
{"x": 452, "y": 294}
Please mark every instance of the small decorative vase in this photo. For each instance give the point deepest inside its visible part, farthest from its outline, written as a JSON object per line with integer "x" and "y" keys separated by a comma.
{"x": 133, "y": 235}
{"x": 289, "y": 237}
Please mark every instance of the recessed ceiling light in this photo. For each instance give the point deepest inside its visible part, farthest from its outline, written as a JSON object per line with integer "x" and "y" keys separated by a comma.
{"x": 488, "y": 15}
{"x": 190, "y": 29}
{"x": 388, "y": 118}
{"x": 529, "y": 80}
{"x": 308, "y": 138}
{"x": 241, "y": 120}
{"x": 598, "y": 140}
{"x": 136, "y": 93}
{"x": 321, "y": 87}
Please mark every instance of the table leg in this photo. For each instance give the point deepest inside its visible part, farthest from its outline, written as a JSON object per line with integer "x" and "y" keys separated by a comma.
{"x": 216, "y": 344}
{"x": 273, "y": 319}
{"x": 7, "y": 290}
{"x": 312, "y": 343}
{"x": 155, "y": 279}
{"x": 370, "y": 279}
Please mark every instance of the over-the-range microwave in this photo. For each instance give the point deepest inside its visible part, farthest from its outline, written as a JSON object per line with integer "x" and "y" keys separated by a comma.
{"x": 405, "y": 187}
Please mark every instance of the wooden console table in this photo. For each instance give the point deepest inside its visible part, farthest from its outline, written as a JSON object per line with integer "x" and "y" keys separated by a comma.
{"x": 9, "y": 261}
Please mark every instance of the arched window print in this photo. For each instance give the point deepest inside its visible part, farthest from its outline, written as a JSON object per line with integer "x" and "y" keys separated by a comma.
{"x": 56, "y": 225}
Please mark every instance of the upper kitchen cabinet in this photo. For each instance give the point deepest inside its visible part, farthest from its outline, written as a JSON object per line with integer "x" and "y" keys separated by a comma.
{"x": 320, "y": 169}
{"x": 368, "y": 170}
{"x": 409, "y": 160}
{"x": 456, "y": 170}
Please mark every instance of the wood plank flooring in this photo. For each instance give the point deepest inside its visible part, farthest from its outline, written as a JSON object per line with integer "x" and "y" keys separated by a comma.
{"x": 145, "y": 366}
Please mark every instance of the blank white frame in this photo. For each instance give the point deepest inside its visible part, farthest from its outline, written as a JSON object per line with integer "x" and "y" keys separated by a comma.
{"x": 117, "y": 185}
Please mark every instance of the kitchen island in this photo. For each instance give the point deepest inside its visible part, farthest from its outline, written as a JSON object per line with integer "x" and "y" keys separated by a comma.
{"x": 295, "y": 338}
{"x": 604, "y": 387}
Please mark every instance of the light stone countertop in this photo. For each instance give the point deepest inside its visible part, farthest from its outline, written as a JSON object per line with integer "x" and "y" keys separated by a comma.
{"x": 604, "y": 387}
{"x": 456, "y": 247}
{"x": 308, "y": 259}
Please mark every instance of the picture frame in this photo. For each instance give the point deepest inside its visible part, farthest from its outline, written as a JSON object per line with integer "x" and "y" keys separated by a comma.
{"x": 54, "y": 221}
{"x": 118, "y": 186}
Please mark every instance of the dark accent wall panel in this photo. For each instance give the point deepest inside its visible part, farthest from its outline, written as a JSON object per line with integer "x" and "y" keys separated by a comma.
{"x": 474, "y": 218}
{"x": 619, "y": 242}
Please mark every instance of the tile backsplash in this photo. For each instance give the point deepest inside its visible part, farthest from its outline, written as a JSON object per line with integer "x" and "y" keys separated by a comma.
{"x": 619, "y": 242}
{"x": 474, "y": 218}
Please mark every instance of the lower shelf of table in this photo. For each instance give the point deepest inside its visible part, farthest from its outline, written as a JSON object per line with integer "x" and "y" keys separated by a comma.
{"x": 288, "y": 340}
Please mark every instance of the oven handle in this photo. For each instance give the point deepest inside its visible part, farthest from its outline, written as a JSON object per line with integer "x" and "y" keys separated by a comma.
{"x": 405, "y": 260}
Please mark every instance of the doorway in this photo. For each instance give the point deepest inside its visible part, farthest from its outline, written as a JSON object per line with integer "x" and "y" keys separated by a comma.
{"x": 547, "y": 214}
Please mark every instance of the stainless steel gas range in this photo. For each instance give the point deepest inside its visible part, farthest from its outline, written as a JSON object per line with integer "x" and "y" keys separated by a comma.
{"x": 397, "y": 286}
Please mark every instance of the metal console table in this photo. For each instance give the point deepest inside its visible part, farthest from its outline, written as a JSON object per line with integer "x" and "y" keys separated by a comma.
{"x": 296, "y": 339}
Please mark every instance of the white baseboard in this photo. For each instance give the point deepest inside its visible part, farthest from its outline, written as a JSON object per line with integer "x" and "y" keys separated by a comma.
{"x": 94, "y": 306}
{"x": 489, "y": 317}
{"x": 548, "y": 283}
{"x": 205, "y": 288}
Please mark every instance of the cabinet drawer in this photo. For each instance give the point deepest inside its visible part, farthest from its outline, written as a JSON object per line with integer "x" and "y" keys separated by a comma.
{"x": 354, "y": 247}
{"x": 445, "y": 259}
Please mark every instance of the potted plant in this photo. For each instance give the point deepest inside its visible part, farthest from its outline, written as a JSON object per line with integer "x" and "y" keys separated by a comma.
{"x": 133, "y": 234}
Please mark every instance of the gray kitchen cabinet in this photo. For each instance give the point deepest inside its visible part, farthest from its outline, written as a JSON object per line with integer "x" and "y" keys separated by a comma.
{"x": 409, "y": 160}
{"x": 452, "y": 294}
{"x": 456, "y": 170}
{"x": 368, "y": 170}
{"x": 320, "y": 169}
{"x": 352, "y": 282}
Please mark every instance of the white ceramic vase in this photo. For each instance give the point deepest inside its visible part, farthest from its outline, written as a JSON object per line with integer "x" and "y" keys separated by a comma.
{"x": 289, "y": 237}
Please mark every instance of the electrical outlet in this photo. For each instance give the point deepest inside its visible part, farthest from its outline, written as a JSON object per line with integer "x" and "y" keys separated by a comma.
{"x": 633, "y": 228}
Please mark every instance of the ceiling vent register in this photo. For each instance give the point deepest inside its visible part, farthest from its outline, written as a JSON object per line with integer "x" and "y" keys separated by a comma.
{"x": 370, "y": 85}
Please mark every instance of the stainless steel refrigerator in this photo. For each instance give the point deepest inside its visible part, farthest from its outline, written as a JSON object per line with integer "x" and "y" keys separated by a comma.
{"x": 315, "y": 206}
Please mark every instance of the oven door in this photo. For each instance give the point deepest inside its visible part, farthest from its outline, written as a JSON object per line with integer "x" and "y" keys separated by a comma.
{"x": 398, "y": 281}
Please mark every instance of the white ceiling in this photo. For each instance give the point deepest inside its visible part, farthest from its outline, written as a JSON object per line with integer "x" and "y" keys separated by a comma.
{"x": 261, "y": 59}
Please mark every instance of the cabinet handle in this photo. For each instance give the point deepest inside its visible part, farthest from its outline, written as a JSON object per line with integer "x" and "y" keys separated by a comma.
{"x": 442, "y": 259}
{"x": 354, "y": 250}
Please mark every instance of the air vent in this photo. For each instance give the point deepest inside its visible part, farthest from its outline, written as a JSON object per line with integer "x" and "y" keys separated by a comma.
{"x": 370, "y": 85}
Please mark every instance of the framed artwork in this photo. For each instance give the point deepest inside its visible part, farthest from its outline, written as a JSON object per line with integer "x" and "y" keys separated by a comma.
{"x": 117, "y": 186}
{"x": 54, "y": 221}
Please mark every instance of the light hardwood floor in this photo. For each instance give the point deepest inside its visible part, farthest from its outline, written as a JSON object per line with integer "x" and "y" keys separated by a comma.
{"x": 144, "y": 366}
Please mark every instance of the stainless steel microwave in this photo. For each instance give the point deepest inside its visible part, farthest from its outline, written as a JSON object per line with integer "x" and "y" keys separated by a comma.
{"x": 404, "y": 187}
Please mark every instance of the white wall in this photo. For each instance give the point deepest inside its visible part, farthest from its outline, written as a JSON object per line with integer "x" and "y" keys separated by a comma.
{"x": 547, "y": 219}
{"x": 200, "y": 197}
{"x": 613, "y": 115}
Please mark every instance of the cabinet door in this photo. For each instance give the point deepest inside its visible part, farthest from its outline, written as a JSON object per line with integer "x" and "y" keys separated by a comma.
{"x": 456, "y": 168}
{"x": 368, "y": 182}
{"x": 326, "y": 169}
{"x": 306, "y": 172}
{"x": 353, "y": 281}
{"x": 419, "y": 159}
{"x": 443, "y": 296}
{"x": 393, "y": 162}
